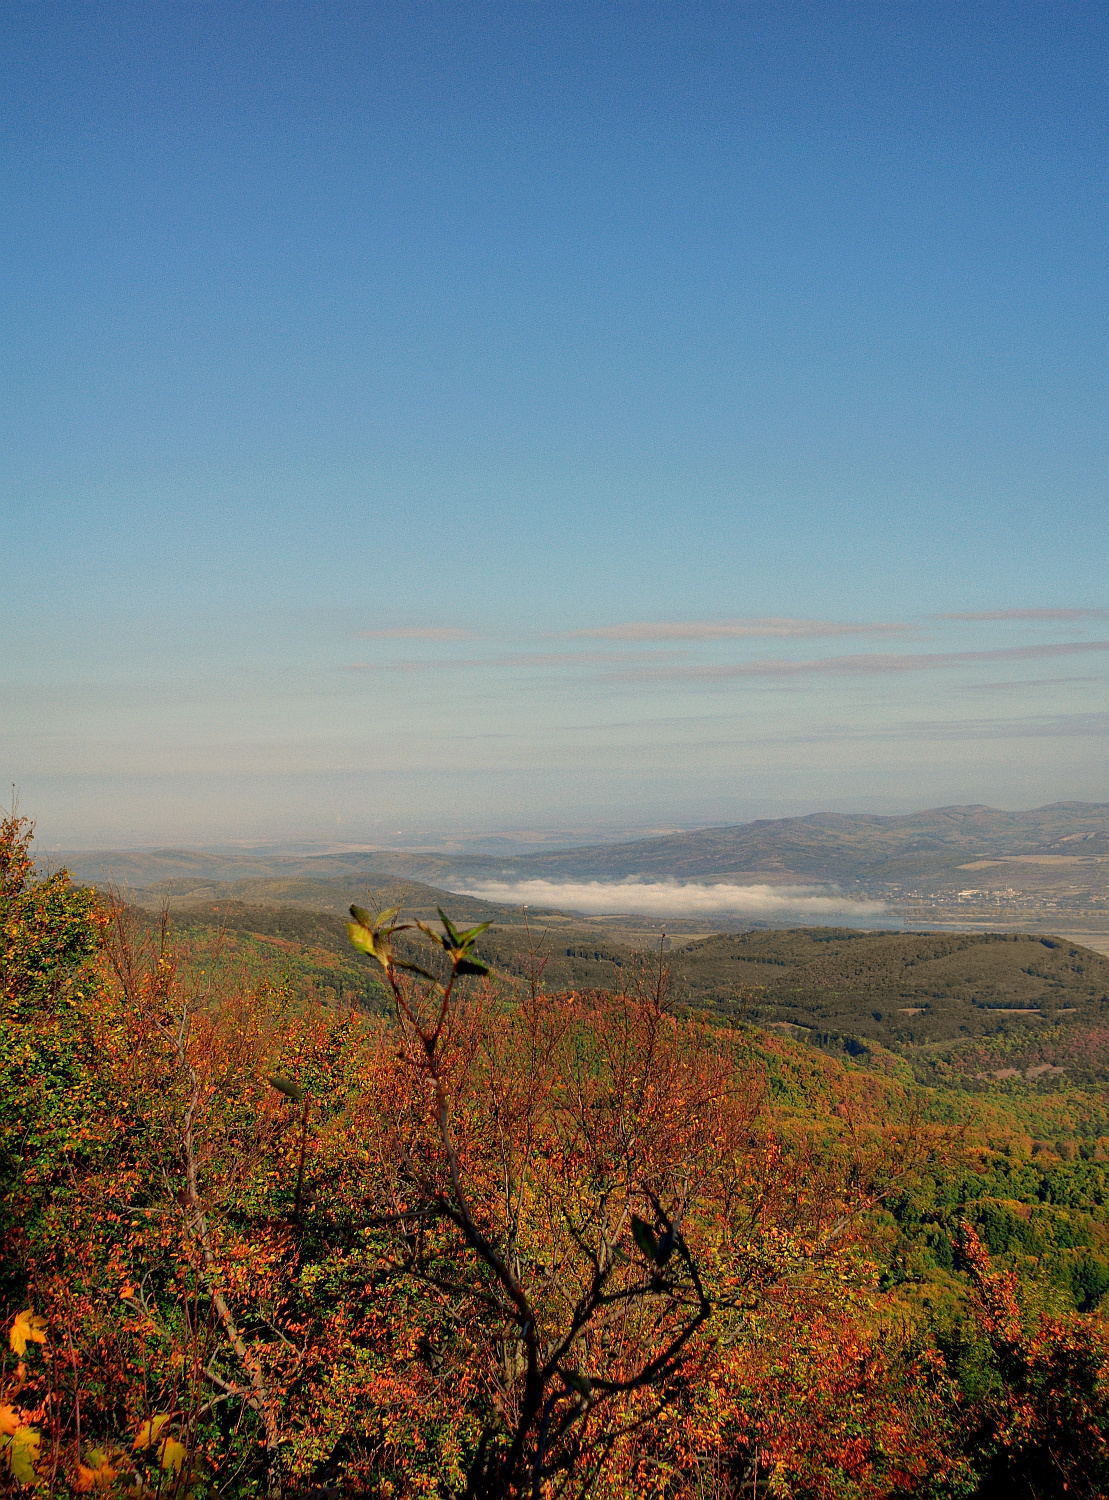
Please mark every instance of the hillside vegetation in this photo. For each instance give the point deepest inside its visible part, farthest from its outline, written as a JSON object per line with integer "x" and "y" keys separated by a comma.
{"x": 897, "y": 988}
{"x": 452, "y": 1234}
{"x": 829, "y": 847}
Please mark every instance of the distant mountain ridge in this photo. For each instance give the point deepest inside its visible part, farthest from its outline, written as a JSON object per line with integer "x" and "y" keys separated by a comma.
{"x": 840, "y": 848}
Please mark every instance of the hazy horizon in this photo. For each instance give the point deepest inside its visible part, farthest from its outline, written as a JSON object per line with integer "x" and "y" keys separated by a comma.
{"x": 477, "y": 840}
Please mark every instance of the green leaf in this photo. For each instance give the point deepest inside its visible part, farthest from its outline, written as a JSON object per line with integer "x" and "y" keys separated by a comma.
{"x": 374, "y": 942}
{"x": 400, "y": 963}
{"x": 362, "y": 938}
{"x": 644, "y": 1237}
{"x": 371, "y": 935}
{"x": 457, "y": 944}
{"x": 470, "y": 966}
{"x": 286, "y": 1087}
{"x": 466, "y": 938}
{"x": 383, "y": 918}
{"x": 436, "y": 937}
{"x": 22, "y": 1452}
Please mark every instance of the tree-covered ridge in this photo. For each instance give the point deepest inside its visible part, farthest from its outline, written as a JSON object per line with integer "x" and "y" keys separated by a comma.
{"x": 507, "y": 1240}
{"x": 908, "y": 990}
{"x": 899, "y": 988}
{"x": 838, "y": 847}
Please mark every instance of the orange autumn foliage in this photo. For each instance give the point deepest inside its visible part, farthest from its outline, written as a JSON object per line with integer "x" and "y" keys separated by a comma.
{"x": 1042, "y": 1408}
{"x": 504, "y": 1244}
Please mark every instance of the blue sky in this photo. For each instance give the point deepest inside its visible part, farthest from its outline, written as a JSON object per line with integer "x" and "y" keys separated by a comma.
{"x": 429, "y": 418}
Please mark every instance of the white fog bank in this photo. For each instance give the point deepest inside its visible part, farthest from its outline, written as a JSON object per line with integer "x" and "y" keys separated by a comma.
{"x": 672, "y": 898}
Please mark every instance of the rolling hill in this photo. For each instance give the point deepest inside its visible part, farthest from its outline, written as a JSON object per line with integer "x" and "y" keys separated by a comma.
{"x": 849, "y": 850}
{"x": 903, "y": 990}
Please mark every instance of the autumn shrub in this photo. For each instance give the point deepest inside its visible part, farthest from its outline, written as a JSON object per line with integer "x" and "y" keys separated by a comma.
{"x": 503, "y": 1243}
{"x": 50, "y": 935}
{"x": 1036, "y": 1389}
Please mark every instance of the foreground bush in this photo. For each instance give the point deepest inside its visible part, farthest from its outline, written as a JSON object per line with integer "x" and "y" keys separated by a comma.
{"x": 502, "y": 1245}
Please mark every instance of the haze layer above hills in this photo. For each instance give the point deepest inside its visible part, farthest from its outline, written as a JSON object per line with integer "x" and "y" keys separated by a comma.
{"x": 968, "y": 866}
{"x": 1037, "y": 999}
{"x": 825, "y": 847}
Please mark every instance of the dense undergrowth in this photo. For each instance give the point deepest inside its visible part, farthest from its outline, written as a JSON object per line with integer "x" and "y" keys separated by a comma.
{"x": 503, "y": 1242}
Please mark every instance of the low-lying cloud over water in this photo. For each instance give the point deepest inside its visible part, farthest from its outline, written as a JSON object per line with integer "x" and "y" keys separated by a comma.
{"x": 673, "y": 898}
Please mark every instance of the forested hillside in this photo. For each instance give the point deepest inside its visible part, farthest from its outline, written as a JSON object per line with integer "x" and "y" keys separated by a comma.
{"x": 822, "y": 846}
{"x": 446, "y": 1233}
{"x": 902, "y": 989}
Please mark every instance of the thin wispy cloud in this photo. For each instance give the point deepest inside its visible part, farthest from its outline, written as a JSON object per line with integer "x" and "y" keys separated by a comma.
{"x": 1022, "y": 684}
{"x": 417, "y": 633}
{"x": 873, "y": 663}
{"x": 762, "y": 628}
{"x": 672, "y": 898}
{"x": 1038, "y": 726}
{"x": 1030, "y": 614}
{"x": 1046, "y": 726}
{"x": 512, "y": 661}
{"x": 405, "y": 665}
{"x": 914, "y": 731}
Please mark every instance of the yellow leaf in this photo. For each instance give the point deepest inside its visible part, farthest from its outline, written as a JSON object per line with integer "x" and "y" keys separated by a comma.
{"x": 27, "y": 1329}
{"x": 97, "y": 1477}
{"x": 21, "y": 1450}
{"x": 172, "y": 1455}
{"x": 148, "y": 1432}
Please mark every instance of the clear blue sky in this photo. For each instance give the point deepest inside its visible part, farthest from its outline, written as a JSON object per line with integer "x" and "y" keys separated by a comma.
{"x": 367, "y": 367}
